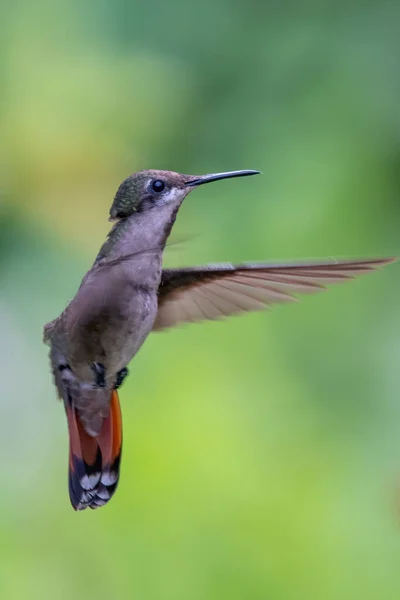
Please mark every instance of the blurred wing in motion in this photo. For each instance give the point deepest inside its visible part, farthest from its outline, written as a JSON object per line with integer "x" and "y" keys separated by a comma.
{"x": 217, "y": 291}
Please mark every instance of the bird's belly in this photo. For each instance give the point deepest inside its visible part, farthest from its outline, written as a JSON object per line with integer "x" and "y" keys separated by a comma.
{"x": 113, "y": 334}
{"x": 128, "y": 343}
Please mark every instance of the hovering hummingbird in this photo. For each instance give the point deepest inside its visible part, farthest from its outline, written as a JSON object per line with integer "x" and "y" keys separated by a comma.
{"x": 127, "y": 294}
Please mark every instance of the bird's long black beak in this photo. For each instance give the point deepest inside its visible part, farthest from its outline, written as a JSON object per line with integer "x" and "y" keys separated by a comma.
{"x": 216, "y": 176}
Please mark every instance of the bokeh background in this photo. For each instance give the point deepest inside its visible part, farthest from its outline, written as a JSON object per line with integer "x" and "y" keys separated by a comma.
{"x": 261, "y": 455}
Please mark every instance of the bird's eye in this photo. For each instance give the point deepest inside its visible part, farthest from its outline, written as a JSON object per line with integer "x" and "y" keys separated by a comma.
{"x": 157, "y": 186}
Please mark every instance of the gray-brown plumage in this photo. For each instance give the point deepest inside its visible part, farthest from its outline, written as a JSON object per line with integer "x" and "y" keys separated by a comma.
{"x": 126, "y": 295}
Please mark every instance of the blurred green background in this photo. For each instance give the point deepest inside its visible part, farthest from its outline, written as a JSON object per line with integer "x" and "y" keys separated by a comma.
{"x": 261, "y": 455}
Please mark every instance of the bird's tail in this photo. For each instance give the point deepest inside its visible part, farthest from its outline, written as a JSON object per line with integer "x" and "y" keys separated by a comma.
{"x": 94, "y": 460}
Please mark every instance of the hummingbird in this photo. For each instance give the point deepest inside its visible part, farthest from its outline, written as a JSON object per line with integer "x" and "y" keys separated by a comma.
{"x": 127, "y": 294}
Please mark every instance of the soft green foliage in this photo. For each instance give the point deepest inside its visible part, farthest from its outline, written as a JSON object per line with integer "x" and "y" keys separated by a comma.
{"x": 261, "y": 455}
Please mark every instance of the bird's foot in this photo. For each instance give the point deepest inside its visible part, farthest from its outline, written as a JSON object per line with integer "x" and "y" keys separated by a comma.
{"x": 99, "y": 375}
{"x": 120, "y": 378}
{"x": 65, "y": 372}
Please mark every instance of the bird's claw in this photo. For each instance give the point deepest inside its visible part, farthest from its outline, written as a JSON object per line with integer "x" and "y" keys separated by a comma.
{"x": 120, "y": 378}
{"x": 99, "y": 375}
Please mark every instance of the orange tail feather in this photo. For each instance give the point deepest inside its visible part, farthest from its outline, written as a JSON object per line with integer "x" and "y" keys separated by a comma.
{"x": 94, "y": 461}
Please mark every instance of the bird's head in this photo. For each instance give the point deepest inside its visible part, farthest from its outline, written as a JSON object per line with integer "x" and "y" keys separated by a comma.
{"x": 147, "y": 190}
